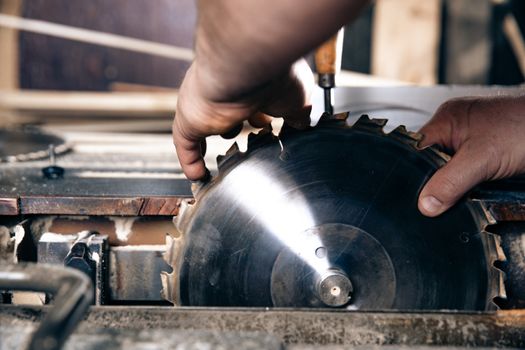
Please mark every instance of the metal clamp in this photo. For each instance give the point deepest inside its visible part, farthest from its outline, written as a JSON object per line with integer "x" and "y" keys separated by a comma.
{"x": 73, "y": 295}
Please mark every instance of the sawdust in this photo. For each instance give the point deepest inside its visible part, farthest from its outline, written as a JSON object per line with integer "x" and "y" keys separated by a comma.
{"x": 10, "y": 239}
{"x": 19, "y": 236}
{"x": 7, "y": 246}
{"x": 123, "y": 227}
{"x": 40, "y": 226}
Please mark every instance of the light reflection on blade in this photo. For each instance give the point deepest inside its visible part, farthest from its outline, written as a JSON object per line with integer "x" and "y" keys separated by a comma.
{"x": 285, "y": 214}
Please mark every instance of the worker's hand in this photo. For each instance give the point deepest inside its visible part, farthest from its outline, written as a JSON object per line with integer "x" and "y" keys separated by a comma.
{"x": 198, "y": 115}
{"x": 487, "y": 137}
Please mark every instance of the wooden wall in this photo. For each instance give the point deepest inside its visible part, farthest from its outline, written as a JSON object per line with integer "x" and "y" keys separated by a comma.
{"x": 9, "y": 48}
{"x": 59, "y": 64}
{"x": 422, "y": 42}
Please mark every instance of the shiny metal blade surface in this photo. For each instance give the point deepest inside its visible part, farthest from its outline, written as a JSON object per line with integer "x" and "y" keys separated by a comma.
{"x": 328, "y": 218}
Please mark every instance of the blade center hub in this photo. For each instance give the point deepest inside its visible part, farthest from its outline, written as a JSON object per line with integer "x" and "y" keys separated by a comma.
{"x": 334, "y": 288}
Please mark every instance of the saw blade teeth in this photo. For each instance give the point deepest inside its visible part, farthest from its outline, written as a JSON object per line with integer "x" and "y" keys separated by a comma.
{"x": 365, "y": 123}
{"x": 184, "y": 211}
{"x": 498, "y": 291}
{"x": 170, "y": 280}
{"x": 363, "y": 120}
{"x": 404, "y": 135}
{"x": 401, "y": 129}
{"x": 265, "y": 135}
{"x": 487, "y": 215}
{"x": 169, "y": 246}
{"x": 499, "y": 254}
{"x": 165, "y": 276}
{"x": 197, "y": 186}
{"x": 287, "y": 130}
{"x": 231, "y": 155}
{"x": 415, "y": 135}
{"x": 401, "y": 133}
{"x": 339, "y": 117}
{"x": 342, "y": 116}
{"x": 233, "y": 149}
{"x": 379, "y": 122}
{"x": 220, "y": 158}
{"x": 495, "y": 255}
{"x": 166, "y": 281}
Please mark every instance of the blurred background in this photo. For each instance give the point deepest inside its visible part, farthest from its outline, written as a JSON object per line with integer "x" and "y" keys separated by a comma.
{"x": 126, "y": 58}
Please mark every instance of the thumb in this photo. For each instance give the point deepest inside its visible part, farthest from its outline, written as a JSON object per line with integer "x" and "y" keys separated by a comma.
{"x": 465, "y": 170}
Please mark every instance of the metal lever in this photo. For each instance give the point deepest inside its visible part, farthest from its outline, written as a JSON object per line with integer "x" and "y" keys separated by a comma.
{"x": 73, "y": 295}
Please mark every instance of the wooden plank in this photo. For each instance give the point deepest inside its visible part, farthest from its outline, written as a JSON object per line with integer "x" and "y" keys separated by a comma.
{"x": 80, "y": 206}
{"x": 96, "y": 37}
{"x": 90, "y": 104}
{"x": 73, "y": 65}
{"x": 9, "y": 206}
{"x": 160, "y": 206}
{"x": 113, "y": 206}
{"x": 405, "y": 40}
{"x": 505, "y": 210}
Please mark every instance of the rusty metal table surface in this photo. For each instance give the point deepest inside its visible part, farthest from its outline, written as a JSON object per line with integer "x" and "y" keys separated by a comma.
{"x": 314, "y": 327}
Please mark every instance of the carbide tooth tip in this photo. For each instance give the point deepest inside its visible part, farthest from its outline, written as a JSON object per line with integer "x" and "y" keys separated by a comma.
{"x": 495, "y": 254}
{"x": 500, "y": 254}
{"x": 342, "y": 116}
{"x": 379, "y": 122}
{"x": 184, "y": 207}
{"x": 364, "y": 122}
{"x": 407, "y": 136}
{"x": 415, "y": 135}
{"x": 401, "y": 129}
{"x": 486, "y": 214}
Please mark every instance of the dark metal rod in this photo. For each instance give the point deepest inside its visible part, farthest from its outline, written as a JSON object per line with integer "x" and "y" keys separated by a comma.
{"x": 328, "y": 107}
{"x": 73, "y": 295}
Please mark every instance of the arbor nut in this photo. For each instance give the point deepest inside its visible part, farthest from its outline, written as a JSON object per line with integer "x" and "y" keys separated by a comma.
{"x": 334, "y": 288}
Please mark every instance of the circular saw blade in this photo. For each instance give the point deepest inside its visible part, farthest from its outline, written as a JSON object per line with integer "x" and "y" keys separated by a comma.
{"x": 328, "y": 217}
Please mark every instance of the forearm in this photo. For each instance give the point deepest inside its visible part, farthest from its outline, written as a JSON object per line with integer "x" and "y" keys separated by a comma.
{"x": 243, "y": 44}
